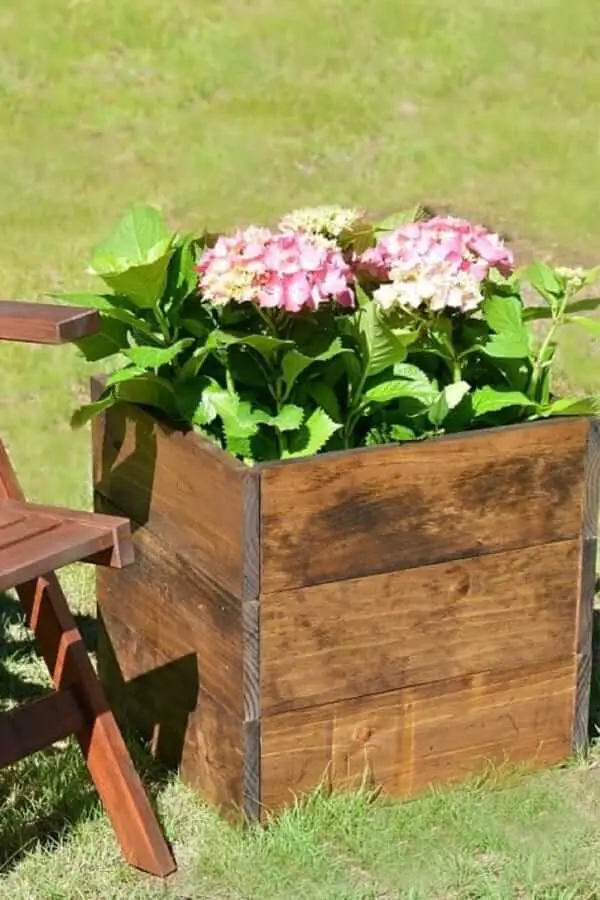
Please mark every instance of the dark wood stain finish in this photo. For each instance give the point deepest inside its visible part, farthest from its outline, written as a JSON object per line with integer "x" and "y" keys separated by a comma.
{"x": 395, "y": 615}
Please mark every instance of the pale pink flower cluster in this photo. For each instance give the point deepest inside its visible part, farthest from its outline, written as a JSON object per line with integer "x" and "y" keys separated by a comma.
{"x": 275, "y": 270}
{"x": 469, "y": 248}
{"x": 439, "y": 262}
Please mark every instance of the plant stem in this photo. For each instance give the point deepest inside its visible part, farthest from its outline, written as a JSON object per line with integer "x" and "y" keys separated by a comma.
{"x": 538, "y": 365}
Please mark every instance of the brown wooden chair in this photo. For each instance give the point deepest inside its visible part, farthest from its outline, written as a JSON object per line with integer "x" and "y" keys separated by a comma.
{"x": 34, "y": 541}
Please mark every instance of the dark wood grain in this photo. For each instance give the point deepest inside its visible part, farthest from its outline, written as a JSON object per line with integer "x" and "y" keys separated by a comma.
{"x": 161, "y": 610}
{"x": 38, "y": 725}
{"x": 587, "y": 580}
{"x": 184, "y": 490}
{"x": 370, "y": 635}
{"x": 349, "y": 515}
{"x": 38, "y": 539}
{"x": 42, "y": 323}
{"x": 406, "y": 740}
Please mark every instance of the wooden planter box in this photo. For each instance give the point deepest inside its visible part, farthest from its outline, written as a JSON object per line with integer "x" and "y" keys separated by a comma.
{"x": 401, "y": 615}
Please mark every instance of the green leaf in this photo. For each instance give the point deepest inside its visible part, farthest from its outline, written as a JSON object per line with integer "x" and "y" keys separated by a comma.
{"x": 420, "y": 383}
{"x": 575, "y": 406}
{"x": 140, "y": 238}
{"x": 110, "y": 339}
{"x": 392, "y": 390}
{"x": 114, "y": 306}
{"x": 504, "y": 315}
{"x": 402, "y": 433}
{"x": 488, "y": 400}
{"x": 546, "y": 282}
{"x": 294, "y": 362}
{"x": 507, "y": 346}
{"x": 83, "y": 298}
{"x": 155, "y": 357}
{"x": 125, "y": 374}
{"x": 289, "y": 418}
{"x": 143, "y": 284}
{"x": 85, "y": 413}
{"x": 590, "y": 325}
{"x": 448, "y": 399}
{"x": 326, "y": 397}
{"x": 383, "y": 348}
{"x": 313, "y": 435}
{"x": 396, "y": 220}
{"x": 149, "y": 390}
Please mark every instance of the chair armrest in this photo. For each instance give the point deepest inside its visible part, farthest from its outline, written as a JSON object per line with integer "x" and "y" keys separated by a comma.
{"x": 42, "y": 323}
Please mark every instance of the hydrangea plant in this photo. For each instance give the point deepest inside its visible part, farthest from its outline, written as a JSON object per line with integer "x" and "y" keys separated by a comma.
{"x": 330, "y": 331}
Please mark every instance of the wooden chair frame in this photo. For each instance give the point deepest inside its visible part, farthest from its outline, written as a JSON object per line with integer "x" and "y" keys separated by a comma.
{"x": 78, "y": 704}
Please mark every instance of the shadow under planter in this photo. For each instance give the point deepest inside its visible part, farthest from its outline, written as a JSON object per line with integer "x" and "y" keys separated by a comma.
{"x": 400, "y": 615}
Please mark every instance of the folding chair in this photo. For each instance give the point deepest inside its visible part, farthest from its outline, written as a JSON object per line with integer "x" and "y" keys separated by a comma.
{"x": 34, "y": 541}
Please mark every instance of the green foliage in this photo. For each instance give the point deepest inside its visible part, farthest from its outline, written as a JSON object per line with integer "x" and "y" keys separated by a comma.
{"x": 265, "y": 384}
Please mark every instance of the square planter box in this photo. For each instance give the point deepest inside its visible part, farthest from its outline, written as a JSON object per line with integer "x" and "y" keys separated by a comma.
{"x": 399, "y": 615}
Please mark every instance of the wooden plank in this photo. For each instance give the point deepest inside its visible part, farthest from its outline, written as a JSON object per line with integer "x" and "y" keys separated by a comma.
{"x": 192, "y": 496}
{"x": 369, "y": 635}
{"x": 161, "y": 610}
{"x": 38, "y": 725}
{"x": 348, "y": 515}
{"x": 39, "y": 552}
{"x": 587, "y": 580}
{"x": 42, "y": 323}
{"x": 108, "y": 761}
{"x": 406, "y": 740}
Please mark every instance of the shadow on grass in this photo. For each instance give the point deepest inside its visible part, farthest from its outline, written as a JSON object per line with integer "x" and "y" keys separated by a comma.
{"x": 45, "y": 795}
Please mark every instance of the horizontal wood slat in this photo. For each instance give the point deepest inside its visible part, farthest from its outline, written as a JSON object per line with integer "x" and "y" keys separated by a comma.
{"x": 371, "y": 635}
{"x": 38, "y": 725}
{"x": 406, "y": 740}
{"x": 348, "y": 515}
{"x": 36, "y": 539}
{"x": 184, "y": 490}
{"x": 42, "y": 323}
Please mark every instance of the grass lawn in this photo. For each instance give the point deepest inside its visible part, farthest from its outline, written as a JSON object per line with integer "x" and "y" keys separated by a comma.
{"x": 226, "y": 111}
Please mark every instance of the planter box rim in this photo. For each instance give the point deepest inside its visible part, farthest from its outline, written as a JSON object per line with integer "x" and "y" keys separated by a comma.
{"x": 193, "y": 437}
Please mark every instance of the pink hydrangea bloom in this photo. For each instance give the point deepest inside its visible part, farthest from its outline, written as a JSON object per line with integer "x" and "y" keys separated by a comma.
{"x": 285, "y": 271}
{"x": 443, "y": 239}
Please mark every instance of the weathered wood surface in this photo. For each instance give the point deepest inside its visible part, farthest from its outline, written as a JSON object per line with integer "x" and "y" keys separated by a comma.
{"x": 187, "y": 492}
{"x": 406, "y": 740}
{"x": 587, "y": 579}
{"x": 349, "y": 515}
{"x": 38, "y": 725}
{"x": 43, "y": 323}
{"x": 164, "y": 611}
{"x": 37, "y": 539}
{"x": 179, "y": 656}
{"x": 61, "y": 646}
{"x": 370, "y": 635}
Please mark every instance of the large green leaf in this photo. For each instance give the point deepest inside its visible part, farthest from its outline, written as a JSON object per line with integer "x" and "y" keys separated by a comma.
{"x": 574, "y": 406}
{"x": 545, "y": 280}
{"x": 144, "y": 284}
{"x": 294, "y": 362}
{"x": 125, "y": 374}
{"x": 448, "y": 399}
{"x": 382, "y": 347}
{"x": 114, "y": 306}
{"x": 111, "y": 338}
{"x": 420, "y": 383}
{"x": 87, "y": 412}
{"x": 392, "y": 390}
{"x": 155, "y": 357}
{"x": 313, "y": 435}
{"x": 140, "y": 238}
{"x": 149, "y": 390}
{"x": 504, "y": 315}
{"x": 487, "y": 400}
{"x": 508, "y": 346}
{"x": 325, "y": 396}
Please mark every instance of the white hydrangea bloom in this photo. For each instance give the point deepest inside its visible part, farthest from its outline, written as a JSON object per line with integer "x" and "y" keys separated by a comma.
{"x": 434, "y": 287}
{"x": 329, "y": 221}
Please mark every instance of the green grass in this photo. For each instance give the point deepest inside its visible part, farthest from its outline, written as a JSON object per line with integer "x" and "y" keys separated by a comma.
{"x": 228, "y": 111}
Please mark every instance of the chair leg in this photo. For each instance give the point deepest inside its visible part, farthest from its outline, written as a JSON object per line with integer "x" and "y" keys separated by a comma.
{"x": 108, "y": 760}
